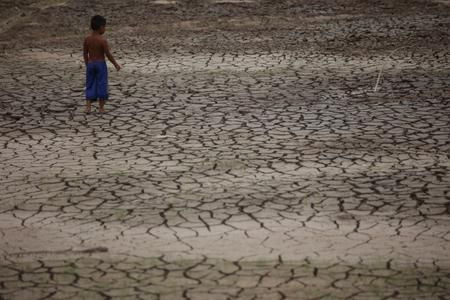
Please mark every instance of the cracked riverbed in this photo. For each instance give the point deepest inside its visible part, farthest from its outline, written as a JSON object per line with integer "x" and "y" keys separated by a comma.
{"x": 245, "y": 153}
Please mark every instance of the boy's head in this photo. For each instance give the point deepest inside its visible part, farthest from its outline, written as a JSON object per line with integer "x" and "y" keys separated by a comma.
{"x": 98, "y": 23}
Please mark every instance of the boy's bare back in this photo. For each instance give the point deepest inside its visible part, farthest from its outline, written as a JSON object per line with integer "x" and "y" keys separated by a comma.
{"x": 96, "y": 48}
{"x": 95, "y": 45}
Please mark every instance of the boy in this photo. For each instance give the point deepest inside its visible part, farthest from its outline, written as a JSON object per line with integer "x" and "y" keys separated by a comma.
{"x": 94, "y": 50}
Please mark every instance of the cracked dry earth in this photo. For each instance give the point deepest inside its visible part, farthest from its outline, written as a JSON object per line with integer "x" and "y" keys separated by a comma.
{"x": 245, "y": 154}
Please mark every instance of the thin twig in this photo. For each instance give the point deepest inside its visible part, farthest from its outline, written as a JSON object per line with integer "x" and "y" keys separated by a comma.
{"x": 382, "y": 67}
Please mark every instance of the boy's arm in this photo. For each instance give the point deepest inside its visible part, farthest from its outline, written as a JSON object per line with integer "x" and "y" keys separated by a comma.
{"x": 85, "y": 52}
{"x": 110, "y": 56}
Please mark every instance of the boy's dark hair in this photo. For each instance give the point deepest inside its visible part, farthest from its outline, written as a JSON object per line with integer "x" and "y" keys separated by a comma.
{"x": 97, "y": 21}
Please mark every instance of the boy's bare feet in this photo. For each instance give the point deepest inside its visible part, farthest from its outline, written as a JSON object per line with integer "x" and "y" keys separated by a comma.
{"x": 102, "y": 106}
{"x": 88, "y": 107}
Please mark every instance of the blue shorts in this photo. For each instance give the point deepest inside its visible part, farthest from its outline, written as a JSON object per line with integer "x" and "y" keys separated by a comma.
{"x": 96, "y": 80}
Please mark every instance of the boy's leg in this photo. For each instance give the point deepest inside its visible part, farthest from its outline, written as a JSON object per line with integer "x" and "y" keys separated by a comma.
{"x": 90, "y": 86}
{"x": 102, "y": 85}
{"x": 88, "y": 106}
{"x": 101, "y": 103}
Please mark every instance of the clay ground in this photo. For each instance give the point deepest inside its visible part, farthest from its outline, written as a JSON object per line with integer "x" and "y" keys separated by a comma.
{"x": 245, "y": 153}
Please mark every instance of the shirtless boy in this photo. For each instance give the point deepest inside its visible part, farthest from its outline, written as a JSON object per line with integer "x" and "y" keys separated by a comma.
{"x": 94, "y": 50}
